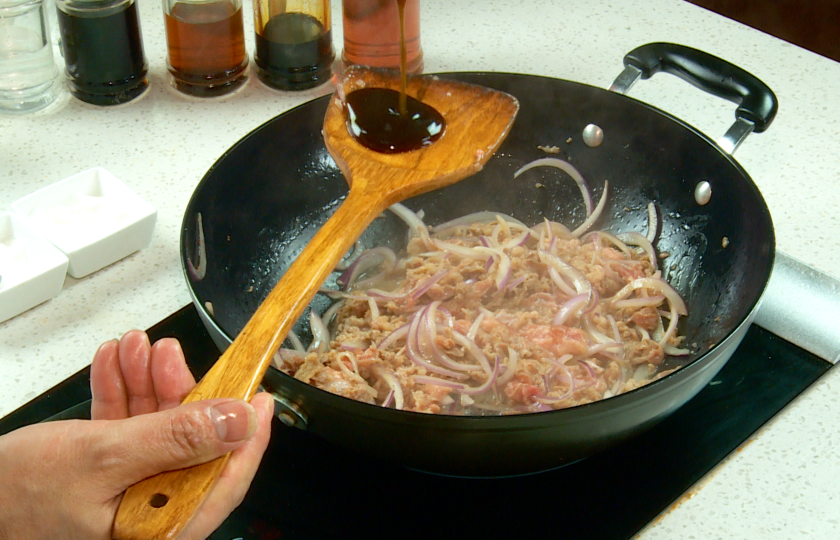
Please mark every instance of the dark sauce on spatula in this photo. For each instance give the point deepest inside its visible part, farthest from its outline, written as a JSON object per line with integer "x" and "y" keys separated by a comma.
{"x": 391, "y": 122}
{"x": 374, "y": 119}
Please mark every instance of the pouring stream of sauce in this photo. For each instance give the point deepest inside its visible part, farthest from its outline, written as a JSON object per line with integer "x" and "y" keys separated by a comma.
{"x": 391, "y": 122}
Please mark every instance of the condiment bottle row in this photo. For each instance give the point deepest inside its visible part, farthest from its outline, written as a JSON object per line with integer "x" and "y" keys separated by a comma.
{"x": 105, "y": 62}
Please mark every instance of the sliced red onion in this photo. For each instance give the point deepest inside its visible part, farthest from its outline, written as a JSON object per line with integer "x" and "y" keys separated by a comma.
{"x": 461, "y": 251}
{"x": 513, "y": 360}
{"x": 593, "y": 301}
{"x": 415, "y": 354}
{"x": 473, "y": 349}
{"x": 388, "y": 399}
{"x": 475, "y": 325}
{"x": 296, "y": 343}
{"x": 657, "y": 285}
{"x": 463, "y": 388}
{"x": 379, "y": 294}
{"x": 601, "y": 347}
{"x": 571, "y": 307}
{"x": 552, "y": 229}
{"x": 614, "y": 327}
{"x": 672, "y": 327}
{"x": 321, "y": 336}
{"x": 670, "y": 350}
{"x": 374, "y": 309}
{"x": 582, "y": 285}
{"x": 503, "y": 272}
{"x": 392, "y": 381}
{"x": 503, "y": 226}
{"x": 331, "y": 311}
{"x": 393, "y": 337}
{"x": 348, "y": 259}
{"x": 636, "y": 239}
{"x": 518, "y": 241}
{"x": 518, "y": 281}
{"x": 411, "y": 219}
{"x": 282, "y": 355}
{"x": 546, "y": 399}
{"x": 612, "y": 239}
{"x": 589, "y": 369}
{"x": 566, "y": 167}
{"x": 637, "y": 303}
{"x": 430, "y": 328}
{"x": 653, "y": 222}
{"x": 593, "y": 332}
{"x": 199, "y": 272}
{"x": 377, "y": 257}
{"x": 595, "y": 213}
{"x": 477, "y": 217}
{"x": 424, "y": 286}
{"x": 560, "y": 282}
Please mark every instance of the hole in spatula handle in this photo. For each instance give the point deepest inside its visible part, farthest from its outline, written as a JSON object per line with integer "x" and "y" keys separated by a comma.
{"x": 158, "y": 500}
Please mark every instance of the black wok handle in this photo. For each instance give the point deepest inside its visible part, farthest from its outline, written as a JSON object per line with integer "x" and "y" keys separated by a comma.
{"x": 756, "y": 101}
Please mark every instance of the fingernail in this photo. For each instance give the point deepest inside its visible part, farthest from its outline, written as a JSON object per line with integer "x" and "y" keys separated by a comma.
{"x": 234, "y": 420}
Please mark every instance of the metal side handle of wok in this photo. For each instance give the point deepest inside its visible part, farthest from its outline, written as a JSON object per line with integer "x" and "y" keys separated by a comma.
{"x": 757, "y": 104}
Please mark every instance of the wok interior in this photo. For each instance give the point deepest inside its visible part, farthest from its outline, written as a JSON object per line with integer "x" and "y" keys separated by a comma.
{"x": 263, "y": 202}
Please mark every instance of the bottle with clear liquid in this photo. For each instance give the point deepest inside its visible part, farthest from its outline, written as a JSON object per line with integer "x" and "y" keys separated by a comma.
{"x": 372, "y": 34}
{"x": 29, "y": 77}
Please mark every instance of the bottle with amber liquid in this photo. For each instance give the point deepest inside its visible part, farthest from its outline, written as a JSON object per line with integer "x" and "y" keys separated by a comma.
{"x": 205, "y": 41}
{"x": 372, "y": 34}
{"x": 294, "y": 49}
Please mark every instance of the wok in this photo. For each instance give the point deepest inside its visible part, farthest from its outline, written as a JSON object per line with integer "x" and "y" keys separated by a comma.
{"x": 263, "y": 199}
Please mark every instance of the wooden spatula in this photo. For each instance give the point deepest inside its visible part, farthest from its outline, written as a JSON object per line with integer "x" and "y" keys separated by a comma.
{"x": 477, "y": 121}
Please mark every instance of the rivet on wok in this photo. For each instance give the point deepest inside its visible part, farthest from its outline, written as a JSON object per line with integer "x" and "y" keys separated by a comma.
{"x": 703, "y": 193}
{"x": 288, "y": 412}
{"x": 593, "y": 135}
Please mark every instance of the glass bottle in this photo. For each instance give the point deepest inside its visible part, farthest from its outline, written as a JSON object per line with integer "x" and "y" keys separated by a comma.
{"x": 103, "y": 50}
{"x": 372, "y": 34}
{"x": 205, "y": 41}
{"x": 29, "y": 77}
{"x": 294, "y": 49}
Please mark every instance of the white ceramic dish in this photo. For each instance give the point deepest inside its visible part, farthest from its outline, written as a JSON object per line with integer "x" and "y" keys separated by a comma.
{"x": 32, "y": 270}
{"x": 93, "y": 217}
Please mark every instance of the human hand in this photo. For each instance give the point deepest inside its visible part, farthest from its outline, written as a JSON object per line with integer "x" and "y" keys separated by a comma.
{"x": 64, "y": 480}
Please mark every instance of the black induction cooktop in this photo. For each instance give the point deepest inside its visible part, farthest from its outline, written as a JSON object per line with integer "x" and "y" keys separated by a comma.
{"x": 308, "y": 489}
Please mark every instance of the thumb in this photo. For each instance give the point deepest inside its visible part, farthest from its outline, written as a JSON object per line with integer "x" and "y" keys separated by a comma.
{"x": 181, "y": 437}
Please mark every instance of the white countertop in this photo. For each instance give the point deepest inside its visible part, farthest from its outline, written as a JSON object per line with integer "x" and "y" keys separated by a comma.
{"x": 784, "y": 484}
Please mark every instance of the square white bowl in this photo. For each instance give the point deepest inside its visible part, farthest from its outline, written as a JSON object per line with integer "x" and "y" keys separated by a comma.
{"x": 32, "y": 270}
{"x": 93, "y": 217}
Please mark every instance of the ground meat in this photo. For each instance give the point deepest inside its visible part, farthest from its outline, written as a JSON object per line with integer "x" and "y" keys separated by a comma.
{"x": 469, "y": 322}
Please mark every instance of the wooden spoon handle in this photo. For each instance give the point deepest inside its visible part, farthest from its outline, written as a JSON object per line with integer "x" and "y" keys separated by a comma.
{"x": 161, "y": 506}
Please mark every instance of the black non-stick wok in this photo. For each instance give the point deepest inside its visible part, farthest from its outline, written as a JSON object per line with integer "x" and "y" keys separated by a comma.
{"x": 263, "y": 199}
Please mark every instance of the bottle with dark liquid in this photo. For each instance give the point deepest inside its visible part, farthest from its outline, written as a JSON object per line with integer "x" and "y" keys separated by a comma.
{"x": 294, "y": 49}
{"x": 206, "y": 46}
{"x": 372, "y": 34}
{"x": 103, "y": 50}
